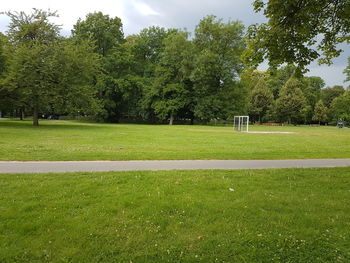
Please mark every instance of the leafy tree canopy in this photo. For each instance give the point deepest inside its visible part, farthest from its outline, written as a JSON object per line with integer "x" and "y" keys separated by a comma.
{"x": 294, "y": 27}
{"x": 172, "y": 87}
{"x": 261, "y": 99}
{"x": 3, "y": 55}
{"x": 340, "y": 107}
{"x": 320, "y": 112}
{"x": 31, "y": 29}
{"x": 105, "y": 31}
{"x": 291, "y": 104}
{"x": 47, "y": 72}
{"x": 217, "y": 47}
{"x": 329, "y": 94}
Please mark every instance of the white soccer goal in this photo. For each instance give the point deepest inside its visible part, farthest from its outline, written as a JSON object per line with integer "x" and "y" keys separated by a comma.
{"x": 241, "y": 123}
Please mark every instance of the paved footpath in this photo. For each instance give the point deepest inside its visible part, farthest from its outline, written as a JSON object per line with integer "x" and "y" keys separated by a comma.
{"x": 99, "y": 166}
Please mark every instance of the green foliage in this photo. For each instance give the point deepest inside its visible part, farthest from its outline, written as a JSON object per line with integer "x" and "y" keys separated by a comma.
{"x": 320, "y": 112}
{"x": 8, "y": 97}
{"x": 75, "y": 67}
{"x": 294, "y": 27}
{"x": 278, "y": 78}
{"x": 312, "y": 89}
{"x": 104, "y": 31}
{"x": 275, "y": 79}
{"x": 3, "y": 55}
{"x": 340, "y": 107}
{"x": 291, "y": 104}
{"x": 30, "y": 72}
{"x": 329, "y": 94}
{"x": 217, "y": 65}
{"x": 33, "y": 37}
{"x": 148, "y": 46}
{"x": 32, "y": 29}
{"x": 150, "y": 42}
{"x": 156, "y": 75}
{"x": 250, "y": 77}
{"x": 347, "y": 70}
{"x": 172, "y": 86}
{"x": 48, "y": 73}
{"x": 56, "y": 78}
{"x": 261, "y": 99}
{"x": 119, "y": 86}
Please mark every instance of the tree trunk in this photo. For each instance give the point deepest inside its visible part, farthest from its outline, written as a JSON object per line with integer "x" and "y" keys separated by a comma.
{"x": 21, "y": 114}
{"x": 35, "y": 116}
{"x": 0, "y": 114}
{"x": 171, "y": 119}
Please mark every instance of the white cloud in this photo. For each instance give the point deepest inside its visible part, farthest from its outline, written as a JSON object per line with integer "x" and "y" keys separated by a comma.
{"x": 69, "y": 11}
{"x": 144, "y": 9}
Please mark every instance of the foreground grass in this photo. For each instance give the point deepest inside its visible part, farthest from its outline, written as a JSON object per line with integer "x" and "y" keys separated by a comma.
{"x": 67, "y": 140}
{"x": 287, "y": 215}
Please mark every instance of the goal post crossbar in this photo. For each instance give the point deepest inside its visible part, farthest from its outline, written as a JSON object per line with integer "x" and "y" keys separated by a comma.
{"x": 241, "y": 123}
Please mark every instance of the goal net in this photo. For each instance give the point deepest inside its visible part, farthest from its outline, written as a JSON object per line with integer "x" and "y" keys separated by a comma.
{"x": 241, "y": 123}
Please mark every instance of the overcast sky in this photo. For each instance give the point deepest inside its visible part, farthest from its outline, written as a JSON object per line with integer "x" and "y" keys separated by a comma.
{"x": 138, "y": 14}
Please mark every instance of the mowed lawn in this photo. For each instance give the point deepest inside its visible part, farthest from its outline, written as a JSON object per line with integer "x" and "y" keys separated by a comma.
{"x": 69, "y": 140}
{"x": 286, "y": 215}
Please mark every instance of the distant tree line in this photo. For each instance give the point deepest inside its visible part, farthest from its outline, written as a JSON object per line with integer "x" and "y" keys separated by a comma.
{"x": 159, "y": 75}
{"x": 280, "y": 96}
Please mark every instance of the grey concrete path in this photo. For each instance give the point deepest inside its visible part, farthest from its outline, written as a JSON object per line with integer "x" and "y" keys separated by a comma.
{"x": 98, "y": 166}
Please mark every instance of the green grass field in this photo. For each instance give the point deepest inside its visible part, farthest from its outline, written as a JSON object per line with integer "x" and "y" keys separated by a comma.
{"x": 68, "y": 140}
{"x": 287, "y": 215}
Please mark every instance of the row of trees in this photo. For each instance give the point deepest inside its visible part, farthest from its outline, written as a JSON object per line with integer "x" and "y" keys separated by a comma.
{"x": 42, "y": 72}
{"x": 277, "y": 95}
{"x": 158, "y": 75}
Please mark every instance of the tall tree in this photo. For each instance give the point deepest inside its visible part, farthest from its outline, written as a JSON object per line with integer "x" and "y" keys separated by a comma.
{"x": 329, "y": 94}
{"x": 278, "y": 77}
{"x": 320, "y": 112}
{"x": 120, "y": 86}
{"x": 312, "y": 89}
{"x": 261, "y": 99}
{"x": 74, "y": 68}
{"x": 34, "y": 37}
{"x": 106, "y": 32}
{"x": 3, "y": 56}
{"x": 147, "y": 49}
{"x": 7, "y": 98}
{"x": 340, "y": 107}
{"x": 217, "y": 65}
{"x": 294, "y": 27}
{"x": 107, "y": 35}
{"x": 148, "y": 46}
{"x": 45, "y": 69}
{"x": 291, "y": 104}
{"x": 172, "y": 88}
{"x": 250, "y": 77}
